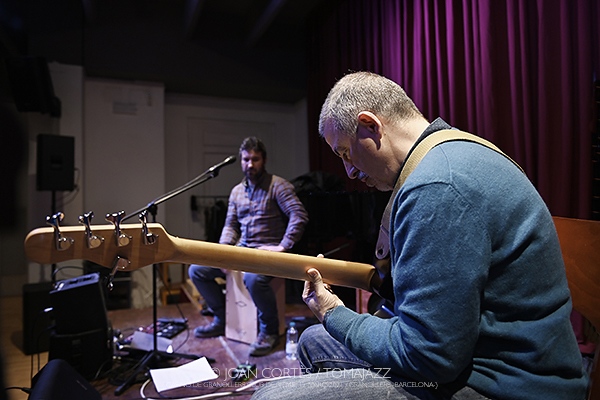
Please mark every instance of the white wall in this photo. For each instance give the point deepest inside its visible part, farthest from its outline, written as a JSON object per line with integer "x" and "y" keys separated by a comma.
{"x": 124, "y": 162}
{"x": 123, "y": 147}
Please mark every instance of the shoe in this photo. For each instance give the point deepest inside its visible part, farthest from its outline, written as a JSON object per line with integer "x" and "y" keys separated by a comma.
{"x": 263, "y": 345}
{"x": 207, "y": 312}
{"x": 210, "y": 330}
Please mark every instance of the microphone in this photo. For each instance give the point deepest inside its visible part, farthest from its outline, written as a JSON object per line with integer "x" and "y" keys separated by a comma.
{"x": 217, "y": 167}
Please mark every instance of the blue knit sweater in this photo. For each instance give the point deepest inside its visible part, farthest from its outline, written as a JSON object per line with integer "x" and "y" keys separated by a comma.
{"x": 481, "y": 292}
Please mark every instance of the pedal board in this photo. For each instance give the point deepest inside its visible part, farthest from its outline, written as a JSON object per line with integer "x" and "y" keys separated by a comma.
{"x": 166, "y": 327}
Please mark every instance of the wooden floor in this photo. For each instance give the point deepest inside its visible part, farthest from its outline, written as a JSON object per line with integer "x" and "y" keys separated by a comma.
{"x": 228, "y": 354}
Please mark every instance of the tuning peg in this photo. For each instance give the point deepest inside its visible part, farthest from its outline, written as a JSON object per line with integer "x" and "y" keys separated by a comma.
{"x": 147, "y": 237}
{"x": 116, "y": 218}
{"x": 93, "y": 241}
{"x": 120, "y": 263}
{"x": 62, "y": 243}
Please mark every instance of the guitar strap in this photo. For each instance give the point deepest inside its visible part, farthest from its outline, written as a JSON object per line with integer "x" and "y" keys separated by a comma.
{"x": 383, "y": 243}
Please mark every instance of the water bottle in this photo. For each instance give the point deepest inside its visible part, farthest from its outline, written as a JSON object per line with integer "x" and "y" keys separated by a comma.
{"x": 291, "y": 343}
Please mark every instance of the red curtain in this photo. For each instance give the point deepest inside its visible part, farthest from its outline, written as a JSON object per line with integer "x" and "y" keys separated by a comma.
{"x": 517, "y": 72}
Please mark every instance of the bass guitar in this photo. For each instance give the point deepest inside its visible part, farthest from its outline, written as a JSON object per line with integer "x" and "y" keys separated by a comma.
{"x": 128, "y": 247}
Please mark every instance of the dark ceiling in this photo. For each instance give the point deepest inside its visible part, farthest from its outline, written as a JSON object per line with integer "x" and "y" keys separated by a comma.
{"x": 249, "y": 49}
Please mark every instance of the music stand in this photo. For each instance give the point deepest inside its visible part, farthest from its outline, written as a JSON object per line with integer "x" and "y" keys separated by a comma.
{"x": 154, "y": 355}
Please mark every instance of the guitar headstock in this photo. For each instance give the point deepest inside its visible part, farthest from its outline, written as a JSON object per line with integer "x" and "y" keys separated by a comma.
{"x": 131, "y": 245}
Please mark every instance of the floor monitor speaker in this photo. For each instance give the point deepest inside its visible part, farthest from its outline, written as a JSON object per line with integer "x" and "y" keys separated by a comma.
{"x": 82, "y": 333}
{"x": 58, "y": 381}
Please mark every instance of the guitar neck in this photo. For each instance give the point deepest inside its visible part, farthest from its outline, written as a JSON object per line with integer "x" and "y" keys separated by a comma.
{"x": 283, "y": 265}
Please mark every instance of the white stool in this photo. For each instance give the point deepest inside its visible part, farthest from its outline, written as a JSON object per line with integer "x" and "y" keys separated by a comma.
{"x": 241, "y": 319}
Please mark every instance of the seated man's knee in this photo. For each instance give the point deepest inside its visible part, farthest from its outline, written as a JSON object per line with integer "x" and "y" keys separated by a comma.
{"x": 313, "y": 333}
{"x": 193, "y": 270}
{"x": 202, "y": 272}
{"x": 256, "y": 280}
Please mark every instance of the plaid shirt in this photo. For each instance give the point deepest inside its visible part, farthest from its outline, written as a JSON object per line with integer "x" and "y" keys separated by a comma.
{"x": 269, "y": 213}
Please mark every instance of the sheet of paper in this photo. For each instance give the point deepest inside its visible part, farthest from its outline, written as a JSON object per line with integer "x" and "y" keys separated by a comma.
{"x": 187, "y": 374}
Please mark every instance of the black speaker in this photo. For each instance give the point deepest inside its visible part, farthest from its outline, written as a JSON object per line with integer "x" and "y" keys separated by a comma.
{"x": 88, "y": 353}
{"x": 79, "y": 305}
{"x": 36, "y": 322}
{"x": 82, "y": 333}
{"x": 31, "y": 85}
{"x": 58, "y": 381}
{"x": 55, "y": 162}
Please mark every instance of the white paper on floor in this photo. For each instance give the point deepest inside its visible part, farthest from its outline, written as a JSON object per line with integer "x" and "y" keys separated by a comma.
{"x": 187, "y": 374}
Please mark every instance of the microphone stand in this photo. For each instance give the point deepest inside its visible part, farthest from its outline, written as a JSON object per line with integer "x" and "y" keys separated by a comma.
{"x": 151, "y": 358}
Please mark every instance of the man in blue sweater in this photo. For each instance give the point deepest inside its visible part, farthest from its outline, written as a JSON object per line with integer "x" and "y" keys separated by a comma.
{"x": 481, "y": 298}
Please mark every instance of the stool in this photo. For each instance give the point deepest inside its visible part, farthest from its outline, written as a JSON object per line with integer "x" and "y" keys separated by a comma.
{"x": 241, "y": 319}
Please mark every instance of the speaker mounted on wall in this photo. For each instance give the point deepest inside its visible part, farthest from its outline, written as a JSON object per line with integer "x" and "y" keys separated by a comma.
{"x": 31, "y": 85}
{"x": 55, "y": 162}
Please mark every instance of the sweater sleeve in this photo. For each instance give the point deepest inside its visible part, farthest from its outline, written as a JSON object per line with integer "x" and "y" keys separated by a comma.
{"x": 440, "y": 256}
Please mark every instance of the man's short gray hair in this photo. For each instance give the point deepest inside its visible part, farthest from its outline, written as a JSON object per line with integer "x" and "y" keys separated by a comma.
{"x": 364, "y": 91}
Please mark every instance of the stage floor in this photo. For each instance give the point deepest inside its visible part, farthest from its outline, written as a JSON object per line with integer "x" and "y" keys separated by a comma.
{"x": 228, "y": 354}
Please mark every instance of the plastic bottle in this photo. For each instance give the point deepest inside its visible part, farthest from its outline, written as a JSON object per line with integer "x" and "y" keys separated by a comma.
{"x": 291, "y": 343}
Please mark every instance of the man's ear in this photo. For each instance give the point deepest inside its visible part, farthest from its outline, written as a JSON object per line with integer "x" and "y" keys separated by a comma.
{"x": 370, "y": 121}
